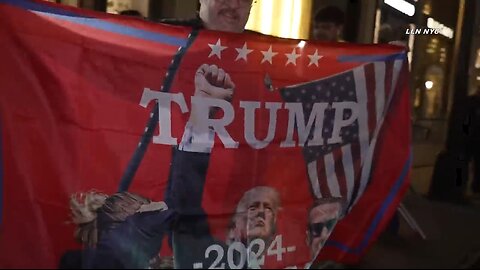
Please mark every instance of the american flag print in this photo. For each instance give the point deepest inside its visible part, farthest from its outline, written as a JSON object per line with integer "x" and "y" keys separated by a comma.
{"x": 342, "y": 169}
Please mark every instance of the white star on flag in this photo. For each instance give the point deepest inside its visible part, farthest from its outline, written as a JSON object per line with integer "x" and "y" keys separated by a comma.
{"x": 243, "y": 52}
{"x": 216, "y": 49}
{"x": 292, "y": 57}
{"x": 268, "y": 55}
{"x": 314, "y": 58}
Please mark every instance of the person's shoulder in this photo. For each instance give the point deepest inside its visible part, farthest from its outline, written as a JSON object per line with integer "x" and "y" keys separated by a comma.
{"x": 192, "y": 22}
{"x": 198, "y": 24}
{"x": 259, "y": 34}
{"x": 253, "y": 32}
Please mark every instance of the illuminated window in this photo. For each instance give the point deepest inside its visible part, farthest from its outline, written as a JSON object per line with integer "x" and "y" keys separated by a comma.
{"x": 477, "y": 62}
{"x": 282, "y": 18}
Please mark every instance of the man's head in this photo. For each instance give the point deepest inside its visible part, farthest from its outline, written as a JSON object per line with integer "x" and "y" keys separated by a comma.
{"x": 328, "y": 24}
{"x": 322, "y": 217}
{"x": 225, "y": 15}
{"x": 259, "y": 207}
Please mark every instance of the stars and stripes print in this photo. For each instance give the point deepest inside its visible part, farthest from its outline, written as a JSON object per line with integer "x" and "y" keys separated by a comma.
{"x": 343, "y": 169}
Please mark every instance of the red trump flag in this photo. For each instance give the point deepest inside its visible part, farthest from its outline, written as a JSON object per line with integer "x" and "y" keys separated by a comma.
{"x": 124, "y": 143}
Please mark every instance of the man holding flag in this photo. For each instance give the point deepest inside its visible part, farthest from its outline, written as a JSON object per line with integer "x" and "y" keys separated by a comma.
{"x": 319, "y": 127}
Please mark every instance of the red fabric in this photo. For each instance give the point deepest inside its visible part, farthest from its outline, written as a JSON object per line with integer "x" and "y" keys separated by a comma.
{"x": 70, "y": 121}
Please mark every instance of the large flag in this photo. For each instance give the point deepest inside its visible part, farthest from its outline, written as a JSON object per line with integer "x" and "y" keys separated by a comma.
{"x": 266, "y": 152}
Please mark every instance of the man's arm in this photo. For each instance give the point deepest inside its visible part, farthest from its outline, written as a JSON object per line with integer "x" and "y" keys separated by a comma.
{"x": 191, "y": 159}
{"x": 188, "y": 172}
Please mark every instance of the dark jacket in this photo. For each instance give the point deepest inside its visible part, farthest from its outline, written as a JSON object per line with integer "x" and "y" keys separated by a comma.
{"x": 130, "y": 244}
{"x": 196, "y": 23}
{"x": 192, "y": 235}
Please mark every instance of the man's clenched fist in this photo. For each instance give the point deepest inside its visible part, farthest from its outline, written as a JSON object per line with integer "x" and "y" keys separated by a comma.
{"x": 213, "y": 88}
{"x": 213, "y": 82}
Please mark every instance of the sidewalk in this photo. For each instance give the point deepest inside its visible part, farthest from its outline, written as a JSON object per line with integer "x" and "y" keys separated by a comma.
{"x": 453, "y": 238}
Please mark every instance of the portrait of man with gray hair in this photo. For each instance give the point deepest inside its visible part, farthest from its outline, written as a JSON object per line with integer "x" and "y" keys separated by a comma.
{"x": 255, "y": 216}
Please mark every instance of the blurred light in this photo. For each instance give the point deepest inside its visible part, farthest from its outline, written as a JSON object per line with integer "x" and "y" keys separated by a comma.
{"x": 282, "y": 18}
{"x": 442, "y": 29}
{"x": 287, "y": 14}
{"x": 378, "y": 18}
{"x": 477, "y": 62}
{"x": 297, "y": 18}
{"x": 411, "y": 43}
{"x": 402, "y": 6}
{"x": 478, "y": 78}
{"x": 416, "y": 102}
{"x": 265, "y": 10}
{"x": 302, "y": 44}
{"x": 427, "y": 9}
{"x": 429, "y": 85}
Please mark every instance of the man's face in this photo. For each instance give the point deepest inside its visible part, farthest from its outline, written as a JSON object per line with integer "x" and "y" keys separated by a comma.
{"x": 322, "y": 218}
{"x": 261, "y": 216}
{"x": 225, "y": 15}
{"x": 326, "y": 31}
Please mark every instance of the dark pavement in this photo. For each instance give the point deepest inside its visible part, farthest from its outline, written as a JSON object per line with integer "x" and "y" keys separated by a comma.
{"x": 452, "y": 238}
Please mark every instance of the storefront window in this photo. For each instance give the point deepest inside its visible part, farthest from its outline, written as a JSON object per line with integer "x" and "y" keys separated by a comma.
{"x": 432, "y": 76}
{"x": 433, "y": 93}
{"x": 282, "y": 18}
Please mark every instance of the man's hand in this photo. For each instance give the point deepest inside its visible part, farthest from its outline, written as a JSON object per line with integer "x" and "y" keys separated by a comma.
{"x": 210, "y": 82}
{"x": 214, "y": 82}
